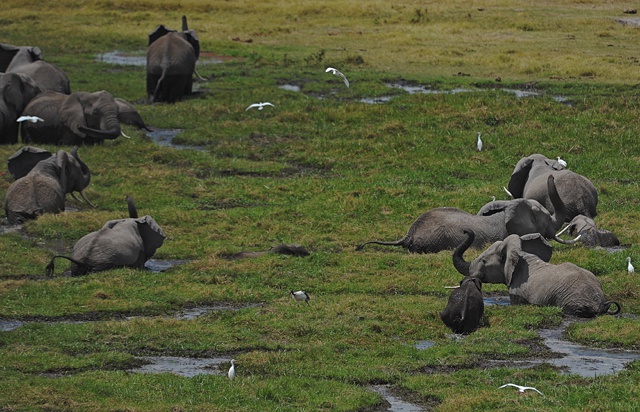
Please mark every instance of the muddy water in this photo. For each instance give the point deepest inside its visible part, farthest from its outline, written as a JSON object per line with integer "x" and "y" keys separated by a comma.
{"x": 140, "y": 58}
{"x": 395, "y": 403}
{"x": 158, "y": 265}
{"x": 164, "y": 137}
{"x": 187, "y": 367}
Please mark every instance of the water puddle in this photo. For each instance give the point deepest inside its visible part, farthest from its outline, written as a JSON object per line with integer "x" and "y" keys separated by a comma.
{"x": 423, "y": 344}
{"x": 419, "y": 89}
{"x": 496, "y": 300}
{"x": 290, "y": 87}
{"x": 157, "y": 265}
{"x": 164, "y": 137}
{"x": 395, "y": 403}
{"x": 140, "y": 58}
{"x": 187, "y": 367}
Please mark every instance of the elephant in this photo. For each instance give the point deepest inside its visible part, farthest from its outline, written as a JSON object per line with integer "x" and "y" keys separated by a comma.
{"x": 29, "y": 60}
{"x": 43, "y": 188}
{"x": 21, "y": 162}
{"x": 171, "y": 63}
{"x": 465, "y": 307}
{"x": 76, "y": 119}
{"x": 521, "y": 263}
{"x": 578, "y": 193}
{"x": 128, "y": 114}
{"x": 16, "y": 90}
{"x": 590, "y": 235}
{"x": 442, "y": 228}
{"x": 126, "y": 242}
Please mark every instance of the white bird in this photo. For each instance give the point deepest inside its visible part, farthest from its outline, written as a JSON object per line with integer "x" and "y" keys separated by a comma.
{"x": 232, "y": 370}
{"x": 479, "y": 142}
{"x": 562, "y": 162}
{"x": 630, "y": 267}
{"x": 300, "y": 295}
{"x": 520, "y": 388}
{"x": 260, "y": 105}
{"x": 338, "y": 73}
{"x": 493, "y": 198}
{"x": 32, "y": 119}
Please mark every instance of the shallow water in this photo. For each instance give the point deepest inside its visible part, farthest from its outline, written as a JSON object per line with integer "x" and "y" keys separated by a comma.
{"x": 496, "y": 300}
{"x": 157, "y": 265}
{"x": 395, "y": 404}
{"x": 423, "y": 344}
{"x": 188, "y": 367}
{"x": 140, "y": 58}
{"x": 164, "y": 137}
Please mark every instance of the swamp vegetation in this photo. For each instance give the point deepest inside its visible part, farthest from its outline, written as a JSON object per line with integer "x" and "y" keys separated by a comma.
{"x": 325, "y": 169}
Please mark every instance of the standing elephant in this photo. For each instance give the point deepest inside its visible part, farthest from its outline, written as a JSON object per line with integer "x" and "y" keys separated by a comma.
{"x": 29, "y": 60}
{"x": 171, "y": 62}
{"x": 520, "y": 262}
{"x": 44, "y": 188}
{"x": 16, "y": 90}
{"x": 528, "y": 181}
{"x": 590, "y": 235}
{"x": 465, "y": 307}
{"x": 442, "y": 228}
{"x": 74, "y": 119}
{"x": 119, "y": 243}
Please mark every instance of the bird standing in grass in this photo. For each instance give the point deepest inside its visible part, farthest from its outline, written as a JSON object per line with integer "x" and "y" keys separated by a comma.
{"x": 520, "y": 388}
{"x": 300, "y": 295}
{"x": 232, "y": 370}
{"x": 630, "y": 267}
{"x": 479, "y": 142}
{"x": 338, "y": 73}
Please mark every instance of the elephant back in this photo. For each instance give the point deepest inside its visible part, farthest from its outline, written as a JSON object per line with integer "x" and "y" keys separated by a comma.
{"x": 578, "y": 193}
{"x": 116, "y": 244}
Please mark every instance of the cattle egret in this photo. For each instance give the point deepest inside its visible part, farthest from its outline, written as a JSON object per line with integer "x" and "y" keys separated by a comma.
{"x": 300, "y": 295}
{"x": 562, "y": 162}
{"x": 232, "y": 370}
{"x": 520, "y": 388}
{"x": 260, "y": 105}
{"x": 338, "y": 73}
{"x": 479, "y": 142}
{"x": 629, "y": 265}
{"x": 32, "y": 119}
{"x": 493, "y": 198}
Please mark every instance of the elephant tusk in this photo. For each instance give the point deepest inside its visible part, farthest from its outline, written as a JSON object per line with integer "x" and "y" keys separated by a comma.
{"x": 567, "y": 242}
{"x": 124, "y": 135}
{"x": 452, "y": 287}
{"x": 86, "y": 200}
{"x": 508, "y": 192}
{"x": 563, "y": 230}
{"x": 198, "y": 75}
{"x": 73, "y": 195}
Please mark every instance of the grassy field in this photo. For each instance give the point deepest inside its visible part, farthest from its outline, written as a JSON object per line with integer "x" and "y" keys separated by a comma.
{"x": 327, "y": 171}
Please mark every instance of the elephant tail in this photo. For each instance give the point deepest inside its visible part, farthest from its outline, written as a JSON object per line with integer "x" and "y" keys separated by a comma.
{"x": 401, "y": 242}
{"x": 608, "y": 306}
{"x": 84, "y": 268}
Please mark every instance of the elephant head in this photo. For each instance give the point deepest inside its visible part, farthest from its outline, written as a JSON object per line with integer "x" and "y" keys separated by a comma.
{"x": 16, "y": 90}
{"x": 465, "y": 306}
{"x": 127, "y": 114}
{"x": 520, "y": 263}
{"x": 29, "y": 60}
{"x": 119, "y": 243}
{"x": 528, "y": 181}
{"x": 43, "y": 188}
{"x": 590, "y": 235}
{"x": 74, "y": 119}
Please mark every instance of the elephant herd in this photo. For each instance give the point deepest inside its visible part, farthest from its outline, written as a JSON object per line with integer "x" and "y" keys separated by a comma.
{"x": 545, "y": 196}
{"x": 32, "y": 87}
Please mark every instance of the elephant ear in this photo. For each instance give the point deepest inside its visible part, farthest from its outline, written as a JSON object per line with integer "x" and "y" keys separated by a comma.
{"x": 536, "y": 244}
{"x": 192, "y": 38}
{"x": 160, "y": 31}
{"x": 7, "y": 53}
{"x": 510, "y": 253}
{"x": 520, "y": 176}
{"x": 72, "y": 113}
{"x": 21, "y": 162}
{"x": 151, "y": 233}
{"x": 519, "y": 217}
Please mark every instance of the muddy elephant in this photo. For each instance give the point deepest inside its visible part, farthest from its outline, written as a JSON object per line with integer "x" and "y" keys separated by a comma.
{"x": 44, "y": 188}
{"x": 126, "y": 242}
{"x": 589, "y": 233}
{"x": 171, "y": 63}
{"x": 16, "y": 90}
{"x": 528, "y": 181}
{"x": 75, "y": 119}
{"x": 29, "y": 60}
{"x": 465, "y": 307}
{"x": 442, "y": 228}
{"x": 521, "y": 263}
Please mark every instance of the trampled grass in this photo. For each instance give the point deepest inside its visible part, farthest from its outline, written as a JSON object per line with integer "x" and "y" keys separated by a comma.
{"x": 327, "y": 171}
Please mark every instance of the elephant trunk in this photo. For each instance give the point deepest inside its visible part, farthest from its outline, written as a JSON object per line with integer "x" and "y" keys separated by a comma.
{"x": 86, "y": 173}
{"x": 460, "y": 264}
{"x": 560, "y": 211}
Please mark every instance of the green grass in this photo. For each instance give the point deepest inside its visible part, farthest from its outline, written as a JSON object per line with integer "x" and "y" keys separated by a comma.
{"x": 328, "y": 174}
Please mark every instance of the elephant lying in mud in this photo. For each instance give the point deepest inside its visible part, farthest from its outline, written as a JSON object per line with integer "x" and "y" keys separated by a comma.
{"x": 528, "y": 181}
{"x": 465, "y": 307}
{"x": 442, "y": 228}
{"x": 590, "y": 235}
{"x": 28, "y": 60}
{"x": 284, "y": 249}
{"x": 43, "y": 189}
{"x": 119, "y": 243}
{"x": 520, "y": 262}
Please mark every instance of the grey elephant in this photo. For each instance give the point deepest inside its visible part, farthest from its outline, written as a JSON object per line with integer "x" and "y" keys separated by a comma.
{"x": 521, "y": 263}
{"x": 171, "y": 63}
{"x": 43, "y": 189}
{"x": 21, "y": 162}
{"x": 589, "y": 233}
{"x": 465, "y": 307}
{"x": 75, "y": 119}
{"x": 442, "y": 228}
{"x": 16, "y": 90}
{"x": 528, "y": 181}
{"x": 128, "y": 114}
{"x": 126, "y": 242}
{"x": 29, "y": 60}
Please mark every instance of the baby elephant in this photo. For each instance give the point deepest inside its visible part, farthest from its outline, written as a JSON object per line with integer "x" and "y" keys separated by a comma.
{"x": 465, "y": 307}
